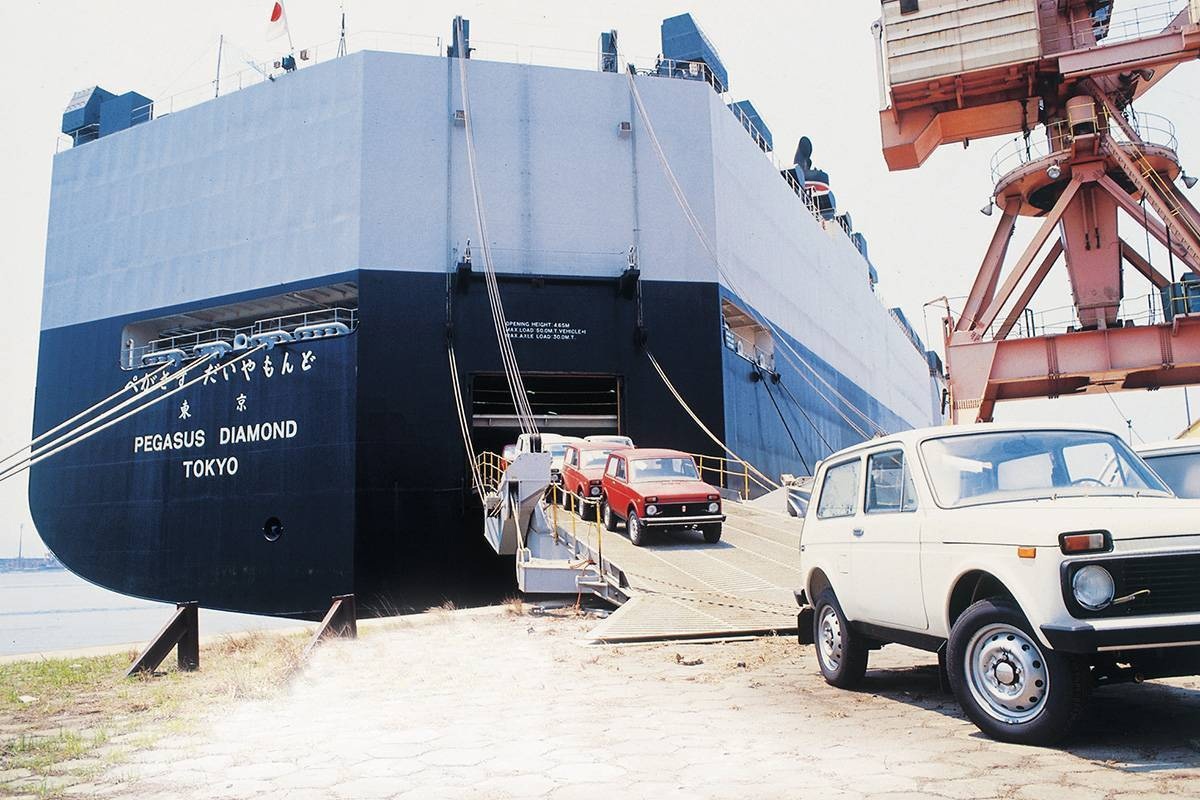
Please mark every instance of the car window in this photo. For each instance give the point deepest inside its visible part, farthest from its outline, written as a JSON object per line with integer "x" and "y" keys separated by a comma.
{"x": 569, "y": 458}
{"x": 1028, "y": 472}
{"x": 889, "y": 484}
{"x": 839, "y": 492}
{"x": 664, "y": 469}
{"x": 621, "y": 468}
{"x": 1181, "y": 471}
{"x": 594, "y": 458}
{"x": 1002, "y": 466}
{"x": 611, "y": 469}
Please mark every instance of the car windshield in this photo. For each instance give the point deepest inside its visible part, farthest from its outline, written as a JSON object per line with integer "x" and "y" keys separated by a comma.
{"x": 594, "y": 458}
{"x": 1022, "y": 465}
{"x": 625, "y": 440}
{"x": 1181, "y": 471}
{"x": 664, "y": 469}
{"x": 557, "y": 449}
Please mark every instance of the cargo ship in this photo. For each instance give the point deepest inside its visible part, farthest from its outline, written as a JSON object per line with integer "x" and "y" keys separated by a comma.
{"x": 277, "y": 274}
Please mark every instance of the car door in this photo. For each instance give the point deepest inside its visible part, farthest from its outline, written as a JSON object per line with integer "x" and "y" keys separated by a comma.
{"x": 569, "y": 469}
{"x": 614, "y": 485}
{"x": 886, "y": 552}
{"x": 828, "y": 541}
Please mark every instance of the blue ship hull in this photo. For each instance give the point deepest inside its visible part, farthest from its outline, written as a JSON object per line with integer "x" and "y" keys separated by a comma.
{"x": 352, "y": 444}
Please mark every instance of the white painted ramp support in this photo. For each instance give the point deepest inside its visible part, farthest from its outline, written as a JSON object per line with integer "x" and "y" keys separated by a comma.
{"x": 516, "y": 523}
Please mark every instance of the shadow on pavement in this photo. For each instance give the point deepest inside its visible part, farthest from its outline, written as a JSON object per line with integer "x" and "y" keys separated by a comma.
{"x": 1137, "y": 728}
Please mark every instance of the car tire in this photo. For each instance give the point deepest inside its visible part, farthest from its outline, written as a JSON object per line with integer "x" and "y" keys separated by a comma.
{"x": 581, "y": 508}
{"x": 610, "y": 519}
{"x": 712, "y": 532}
{"x": 1011, "y": 686}
{"x": 841, "y": 652}
{"x": 637, "y": 531}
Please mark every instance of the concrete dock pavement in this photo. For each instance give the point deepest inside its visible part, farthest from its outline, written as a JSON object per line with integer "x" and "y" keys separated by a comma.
{"x": 506, "y": 705}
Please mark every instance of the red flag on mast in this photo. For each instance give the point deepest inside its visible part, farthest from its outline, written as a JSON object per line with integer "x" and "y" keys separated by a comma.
{"x": 277, "y": 26}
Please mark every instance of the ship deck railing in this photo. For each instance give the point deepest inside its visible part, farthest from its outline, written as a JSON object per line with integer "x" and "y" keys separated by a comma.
{"x": 133, "y": 356}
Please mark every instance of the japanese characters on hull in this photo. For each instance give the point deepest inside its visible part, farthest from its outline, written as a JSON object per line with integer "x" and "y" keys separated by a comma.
{"x": 192, "y": 442}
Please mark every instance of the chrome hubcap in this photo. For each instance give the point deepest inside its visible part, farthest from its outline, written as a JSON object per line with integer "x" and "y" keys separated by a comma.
{"x": 1007, "y": 674}
{"x": 829, "y": 639}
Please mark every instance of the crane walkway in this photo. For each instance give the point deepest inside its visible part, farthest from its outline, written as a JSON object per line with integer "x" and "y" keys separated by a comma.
{"x": 679, "y": 587}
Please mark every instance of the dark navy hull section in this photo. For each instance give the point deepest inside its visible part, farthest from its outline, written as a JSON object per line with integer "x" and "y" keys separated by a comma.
{"x": 361, "y": 460}
{"x": 130, "y": 511}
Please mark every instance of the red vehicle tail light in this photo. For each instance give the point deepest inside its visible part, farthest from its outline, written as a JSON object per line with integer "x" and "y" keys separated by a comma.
{"x": 1085, "y": 542}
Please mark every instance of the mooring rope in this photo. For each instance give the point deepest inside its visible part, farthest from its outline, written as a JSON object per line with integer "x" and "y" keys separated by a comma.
{"x": 130, "y": 385}
{"x": 695, "y": 418}
{"x": 508, "y": 357}
{"x": 698, "y": 228}
{"x": 463, "y": 426}
{"x": 160, "y": 385}
{"x": 51, "y": 450}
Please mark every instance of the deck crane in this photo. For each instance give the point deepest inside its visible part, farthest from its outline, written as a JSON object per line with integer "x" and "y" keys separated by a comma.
{"x": 1062, "y": 74}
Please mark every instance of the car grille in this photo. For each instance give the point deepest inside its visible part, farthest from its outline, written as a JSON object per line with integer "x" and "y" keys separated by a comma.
{"x": 1173, "y": 581}
{"x": 694, "y": 508}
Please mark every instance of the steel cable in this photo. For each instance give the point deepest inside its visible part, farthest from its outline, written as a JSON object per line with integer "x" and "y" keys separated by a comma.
{"x": 129, "y": 385}
{"x": 162, "y": 383}
{"x": 683, "y": 403}
{"x": 698, "y": 228}
{"x": 508, "y": 357}
{"x": 45, "y": 453}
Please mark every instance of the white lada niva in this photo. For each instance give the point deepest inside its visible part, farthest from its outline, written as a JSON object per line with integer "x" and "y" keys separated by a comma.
{"x": 1038, "y": 562}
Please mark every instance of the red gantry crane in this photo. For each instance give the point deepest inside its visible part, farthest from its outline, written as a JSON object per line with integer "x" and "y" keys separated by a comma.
{"x": 1064, "y": 75}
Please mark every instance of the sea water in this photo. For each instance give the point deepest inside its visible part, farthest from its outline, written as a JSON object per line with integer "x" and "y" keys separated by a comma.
{"x": 51, "y": 610}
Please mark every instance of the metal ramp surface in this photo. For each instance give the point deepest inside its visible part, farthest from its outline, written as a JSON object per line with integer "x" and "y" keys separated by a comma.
{"x": 679, "y": 587}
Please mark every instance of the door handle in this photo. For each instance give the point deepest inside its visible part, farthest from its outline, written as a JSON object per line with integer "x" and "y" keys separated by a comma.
{"x": 858, "y": 531}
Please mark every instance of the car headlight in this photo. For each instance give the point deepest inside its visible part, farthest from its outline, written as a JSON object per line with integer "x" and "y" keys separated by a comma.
{"x": 651, "y": 511}
{"x": 714, "y": 508}
{"x": 595, "y": 491}
{"x": 1093, "y": 587}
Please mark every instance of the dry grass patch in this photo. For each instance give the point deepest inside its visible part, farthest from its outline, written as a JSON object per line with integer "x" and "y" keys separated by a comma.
{"x": 56, "y": 713}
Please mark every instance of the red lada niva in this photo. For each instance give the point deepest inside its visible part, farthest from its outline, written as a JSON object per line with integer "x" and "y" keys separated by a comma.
{"x": 582, "y": 469}
{"x": 650, "y": 488}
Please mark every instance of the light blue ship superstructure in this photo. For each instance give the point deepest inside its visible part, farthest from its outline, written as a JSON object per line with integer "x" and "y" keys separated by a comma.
{"x": 344, "y": 186}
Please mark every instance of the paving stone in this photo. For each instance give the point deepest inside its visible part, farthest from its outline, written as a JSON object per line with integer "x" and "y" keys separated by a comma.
{"x": 441, "y": 716}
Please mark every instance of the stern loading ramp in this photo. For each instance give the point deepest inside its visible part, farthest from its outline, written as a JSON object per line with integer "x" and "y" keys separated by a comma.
{"x": 675, "y": 587}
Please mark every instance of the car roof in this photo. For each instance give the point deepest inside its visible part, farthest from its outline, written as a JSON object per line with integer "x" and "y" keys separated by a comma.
{"x": 586, "y": 445}
{"x": 1172, "y": 446}
{"x": 650, "y": 452}
{"x": 916, "y": 435}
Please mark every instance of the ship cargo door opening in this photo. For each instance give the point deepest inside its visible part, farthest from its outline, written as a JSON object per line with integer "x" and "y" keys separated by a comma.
{"x": 571, "y": 405}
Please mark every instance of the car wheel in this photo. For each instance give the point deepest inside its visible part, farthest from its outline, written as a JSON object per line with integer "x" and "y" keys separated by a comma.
{"x": 610, "y": 519}
{"x": 637, "y": 531}
{"x": 712, "y": 532}
{"x": 841, "y": 653}
{"x": 1012, "y": 687}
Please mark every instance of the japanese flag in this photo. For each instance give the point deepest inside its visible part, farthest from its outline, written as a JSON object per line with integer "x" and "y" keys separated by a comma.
{"x": 277, "y": 26}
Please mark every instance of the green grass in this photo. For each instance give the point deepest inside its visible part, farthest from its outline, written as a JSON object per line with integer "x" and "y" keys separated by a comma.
{"x": 54, "y": 682}
{"x": 81, "y": 705}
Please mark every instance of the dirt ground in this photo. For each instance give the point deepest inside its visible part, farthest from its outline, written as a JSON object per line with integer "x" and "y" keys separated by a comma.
{"x": 504, "y": 705}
